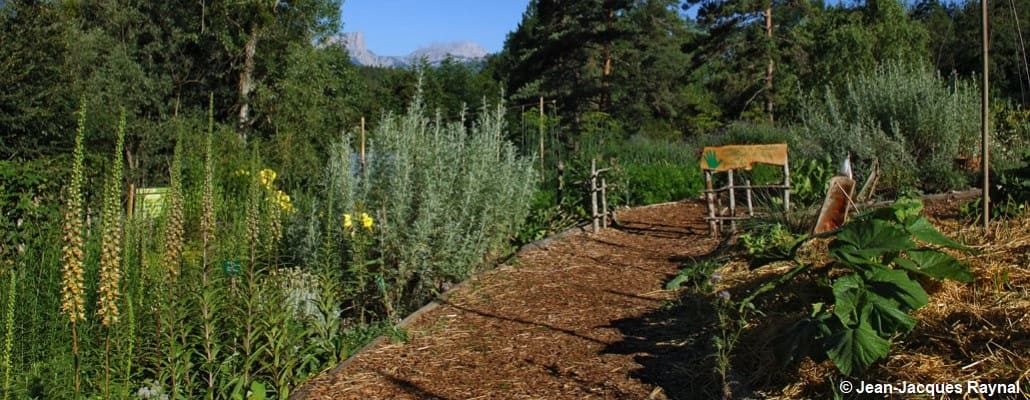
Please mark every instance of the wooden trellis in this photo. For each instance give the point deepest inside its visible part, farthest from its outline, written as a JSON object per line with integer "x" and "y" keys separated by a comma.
{"x": 736, "y": 157}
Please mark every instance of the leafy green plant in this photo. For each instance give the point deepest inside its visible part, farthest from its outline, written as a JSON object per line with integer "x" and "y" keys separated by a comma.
{"x": 809, "y": 179}
{"x": 698, "y": 275}
{"x": 1010, "y": 193}
{"x": 885, "y": 253}
{"x": 662, "y": 181}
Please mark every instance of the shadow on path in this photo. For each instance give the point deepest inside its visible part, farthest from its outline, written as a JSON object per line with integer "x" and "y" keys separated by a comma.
{"x": 411, "y": 387}
{"x": 674, "y": 347}
{"x": 522, "y": 321}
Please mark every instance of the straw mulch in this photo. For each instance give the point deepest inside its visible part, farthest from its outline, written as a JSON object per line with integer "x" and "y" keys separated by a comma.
{"x": 569, "y": 321}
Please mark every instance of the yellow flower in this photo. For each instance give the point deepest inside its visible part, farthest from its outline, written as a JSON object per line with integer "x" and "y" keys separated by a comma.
{"x": 366, "y": 221}
{"x": 284, "y": 201}
{"x": 267, "y": 176}
{"x": 347, "y": 222}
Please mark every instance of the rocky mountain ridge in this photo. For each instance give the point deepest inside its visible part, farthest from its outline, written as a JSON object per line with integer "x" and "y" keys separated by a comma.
{"x": 465, "y": 51}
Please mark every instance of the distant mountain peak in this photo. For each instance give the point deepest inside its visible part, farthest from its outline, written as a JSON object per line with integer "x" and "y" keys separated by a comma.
{"x": 434, "y": 54}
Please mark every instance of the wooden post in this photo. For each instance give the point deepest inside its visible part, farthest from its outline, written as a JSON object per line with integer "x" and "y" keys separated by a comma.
{"x": 985, "y": 120}
{"x": 132, "y": 200}
{"x": 750, "y": 207}
{"x": 710, "y": 197}
{"x": 733, "y": 201}
{"x": 541, "y": 127}
{"x": 593, "y": 193}
{"x": 786, "y": 190}
{"x": 362, "y": 144}
{"x": 561, "y": 181}
{"x": 604, "y": 203}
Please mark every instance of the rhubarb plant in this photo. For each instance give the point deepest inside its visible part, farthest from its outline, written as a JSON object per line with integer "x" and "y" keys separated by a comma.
{"x": 886, "y": 252}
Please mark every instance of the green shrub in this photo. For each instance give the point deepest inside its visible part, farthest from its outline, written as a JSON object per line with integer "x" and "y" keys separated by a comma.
{"x": 644, "y": 170}
{"x": 662, "y": 181}
{"x": 444, "y": 198}
{"x": 912, "y": 120}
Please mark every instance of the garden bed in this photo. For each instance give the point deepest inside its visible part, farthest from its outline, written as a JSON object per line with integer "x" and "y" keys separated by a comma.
{"x": 977, "y": 332}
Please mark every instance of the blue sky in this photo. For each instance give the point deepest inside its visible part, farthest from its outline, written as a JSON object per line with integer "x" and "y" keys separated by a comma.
{"x": 397, "y": 27}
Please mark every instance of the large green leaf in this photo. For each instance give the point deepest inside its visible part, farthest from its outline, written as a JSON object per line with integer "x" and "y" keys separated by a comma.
{"x": 885, "y": 316}
{"x": 855, "y": 349}
{"x": 923, "y": 230}
{"x": 935, "y": 264}
{"x": 848, "y": 292}
{"x": 864, "y": 242}
{"x": 895, "y": 285}
{"x": 854, "y": 304}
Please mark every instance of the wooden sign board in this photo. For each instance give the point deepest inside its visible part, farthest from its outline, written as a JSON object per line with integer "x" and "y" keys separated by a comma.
{"x": 835, "y": 208}
{"x": 150, "y": 202}
{"x": 725, "y": 158}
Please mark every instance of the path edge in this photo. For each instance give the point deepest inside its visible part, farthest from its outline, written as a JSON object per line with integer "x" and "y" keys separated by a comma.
{"x": 302, "y": 392}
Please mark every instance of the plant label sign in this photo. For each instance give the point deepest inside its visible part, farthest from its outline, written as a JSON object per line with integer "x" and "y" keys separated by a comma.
{"x": 150, "y": 201}
{"x": 725, "y": 158}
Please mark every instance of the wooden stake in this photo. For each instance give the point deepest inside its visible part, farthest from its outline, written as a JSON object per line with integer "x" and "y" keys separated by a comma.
{"x": 541, "y": 126}
{"x": 733, "y": 201}
{"x": 362, "y": 143}
{"x": 750, "y": 207}
{"x": 593, "y": 193}
{"x": 786, "y": 182}
{"x": 769, "y": 66}
{"x": 604, "y": 203}
{"x": 132, "y": 200}
{"x": 985, "y": 120}
{"x": 710, "y": 197}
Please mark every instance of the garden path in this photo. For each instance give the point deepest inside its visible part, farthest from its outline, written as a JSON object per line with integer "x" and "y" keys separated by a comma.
{"x": 553, "y": 324}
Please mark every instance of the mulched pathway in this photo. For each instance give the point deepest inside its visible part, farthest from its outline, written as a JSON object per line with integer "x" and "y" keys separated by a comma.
{"x": 550, "y": 326}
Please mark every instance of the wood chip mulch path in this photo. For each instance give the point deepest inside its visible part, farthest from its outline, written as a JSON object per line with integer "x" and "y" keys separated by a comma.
{"x": 549, "y": 326}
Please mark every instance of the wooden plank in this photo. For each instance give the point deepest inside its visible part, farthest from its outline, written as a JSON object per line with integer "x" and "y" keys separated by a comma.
{"x": 727, "y": 188}
{"x": 725, "y": 158}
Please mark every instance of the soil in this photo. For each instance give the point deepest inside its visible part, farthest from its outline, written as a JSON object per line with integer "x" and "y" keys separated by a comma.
{"x": 572, "y": 320}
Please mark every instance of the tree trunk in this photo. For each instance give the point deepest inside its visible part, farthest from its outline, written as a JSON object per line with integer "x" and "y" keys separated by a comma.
{"x": 247, "y": 82}
{"x": 769, "y": 67}
{"x": 606, "y": 99}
